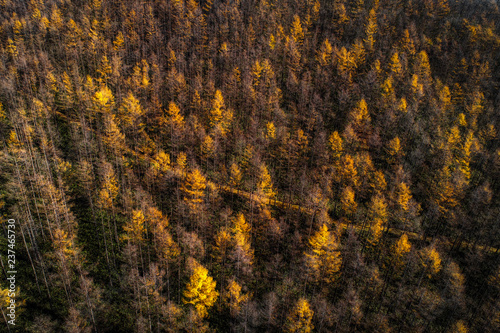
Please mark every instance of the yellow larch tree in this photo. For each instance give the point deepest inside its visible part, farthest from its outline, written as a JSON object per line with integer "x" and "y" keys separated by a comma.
{"x": 407, "y": 44}
{"x": 200, "y": 291}
{"x": 161, "y": 164}
{"x": 398, "y": 254}
{"x": 113, "y": 137}
{"x": 323, "y": 259}
{"x": 336, "y": 145}
{"x": 395, "y": 67}
{"x": 359, "y": 115}
{"x": 193, "y": 188}
{"x": 388, "y": 93}
{"x": 371, "y": 30}
{"x": 256, "y": 73}
{"x": 67, "y": 92}
{"x": 422, "y": 67}
{"x": 403, "y": 105}
{"x": 296, "y": 31}
{"x": 378, "y": 182}
{"x": 270, "y": 131}
{"x": 265, "y": 185}
{"x": 104, "y": 70}
{"x": 234, "y": 297}
{"x": 431, "y": 261}
{"x": 135, "y": 227}
{"x": 324, "y": 56}
{"x": 119, "y": 42}
{"x": 378, "y": 216}
{"x": 299, "y": 320}
{"x": 394, "y": 150}
{"x": 458, "y": 327}
{"x": 130, "y": 110}
{"x": 220, "y": 118}
{"x": 174, "y": 116}
{"x": 242, "y": 254}
{"x": 346, "y": 173}
{"x": 347, "y": 201}
{"x": 403, "y": 196}
{"x": 358, "y": 53}
{"x": 207, "y": 147}
{"x": 345, "y": 62}
{"x": 222, "y": 245}
{"x": 166, "y": 247}
{"x": 109, "y": 188}
{"x": 416, "y": 88}
{"x": 103, "y": 100}
{"x": 234, "y": 175}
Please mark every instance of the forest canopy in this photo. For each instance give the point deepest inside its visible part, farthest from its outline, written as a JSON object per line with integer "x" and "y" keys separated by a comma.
{"x": 251, "y": 165}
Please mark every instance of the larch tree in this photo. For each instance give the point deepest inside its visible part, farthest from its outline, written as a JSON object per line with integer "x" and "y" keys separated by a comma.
{"x": 371, "y": 30}
{"x": 335, "y": 142}
{"x": 296, "y": 31}
{"x": 174, "y": 117}
{"x": 324, "y": 56}
{"x": 430, "y": 260}
{"x": 193, "y": 188}
{"x": 323, "y": 259}
{"x": 220, "y": 118}
{"x": 347, "y": 201}
{"x": 398, "y": 254}
{"x": 135, "y": 228}
{"x": 200, "y": 291}
{"x": 395, "y": 67}
{"x": 234, "y": 175}
{"x": 299, "y": 320}
{"x": 235, "y": 298}
{"x": 242, "y": 253}
{"x": 265, "y": 185}
{"x": 161, "y": 164}
{"x": 130, "y": 111}
{"x": 378, "y": 216}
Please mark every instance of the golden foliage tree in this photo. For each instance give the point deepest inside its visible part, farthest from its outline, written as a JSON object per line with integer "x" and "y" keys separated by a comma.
{"x": 103, "y": 100}
{"x": 174, "y": 116}
{"x": 130, "y": 110}
{"x": 265, "y": 185}
{"x": 242, "y": 254}
{"x": 135, "y": 227}
{"x": 234, "y": 175}
{"x": 347, "y": 201}
{"x": 235, "y": 298}
{"x": 336, "y": 145}
{"x": 396, "y": 260}
{"x": 299, "y": 320}
{"x": 270, "y": 131}
{"x": 222, "y": 245}
{"x": 220, "y": 118}
{"x": 296, "y": 31}
{"x": 324, "y": 56}
{"x": 200, "y": 291}
{"x": 403, "y": 196}
{"x": 431, "y": 261}
{"x": 371, "y": 30}
{"x": 161, "y": 163}
{"x": 378, "y": 216}
{"x": 109, "y": 188}
{"x": 395, "y": 67}
{"x": 323, "y": 260}
{"x": 193, "y": 188}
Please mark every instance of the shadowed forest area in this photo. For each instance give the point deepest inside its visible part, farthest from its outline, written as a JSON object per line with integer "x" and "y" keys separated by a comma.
{"x": 251, "y": 165}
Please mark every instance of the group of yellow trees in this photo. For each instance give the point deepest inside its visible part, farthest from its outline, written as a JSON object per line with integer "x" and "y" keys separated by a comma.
{"x": 229, "y": 166}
